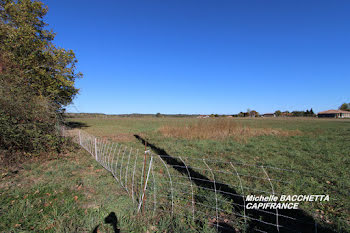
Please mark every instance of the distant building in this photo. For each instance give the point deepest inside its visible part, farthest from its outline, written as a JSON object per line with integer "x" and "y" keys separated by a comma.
{"x": 269, "y": 115}
{"x": 334, "y": 114}
{"x": 286, "y": 114}
{"x": 203, "y": 116}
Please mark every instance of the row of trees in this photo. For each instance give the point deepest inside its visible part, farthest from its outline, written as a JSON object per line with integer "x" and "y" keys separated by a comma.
{"x": 307, "y": 113}
{"x": 36, "y": 79}
{"x": 278, "y": 113}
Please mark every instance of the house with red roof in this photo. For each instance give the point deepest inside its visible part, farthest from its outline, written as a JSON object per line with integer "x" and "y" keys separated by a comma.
{"x": 334, "y": 114}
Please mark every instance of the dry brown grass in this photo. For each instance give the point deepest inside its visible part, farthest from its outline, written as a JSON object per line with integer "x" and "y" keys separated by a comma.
{"x": 218, "y": 129}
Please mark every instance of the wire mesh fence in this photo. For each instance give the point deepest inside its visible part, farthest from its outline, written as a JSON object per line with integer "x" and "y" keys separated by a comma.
{"x": 203, "y": 190}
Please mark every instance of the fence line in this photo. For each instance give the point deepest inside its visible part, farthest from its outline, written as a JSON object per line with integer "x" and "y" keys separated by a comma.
{"x": 202, "y": 189}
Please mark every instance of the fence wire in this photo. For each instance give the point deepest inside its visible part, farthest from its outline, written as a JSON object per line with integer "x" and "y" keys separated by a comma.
{"x": 208, "y": 191}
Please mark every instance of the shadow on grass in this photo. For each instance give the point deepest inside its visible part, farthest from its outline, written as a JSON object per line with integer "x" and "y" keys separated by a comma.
{"x": 112, "y": 220}
{"x": 297, "y": 220}
{"x": 76, "y": 125}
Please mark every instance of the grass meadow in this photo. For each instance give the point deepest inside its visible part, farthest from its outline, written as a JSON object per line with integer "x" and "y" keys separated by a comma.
{"x": 73, "y": 193}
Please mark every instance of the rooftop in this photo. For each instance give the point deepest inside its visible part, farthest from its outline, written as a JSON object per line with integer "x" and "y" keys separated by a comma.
{"x": 333, "y": 112}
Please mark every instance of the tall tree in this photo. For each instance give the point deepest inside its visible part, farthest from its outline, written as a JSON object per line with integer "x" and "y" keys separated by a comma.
{"x": 27, "y": 51}
{"x": 345, "y": 107}
{"x": 278, "y": 113}
{"x": 312, "y": 112}
{"x": 253, "y": 113}
{"x": 36, "y": 78}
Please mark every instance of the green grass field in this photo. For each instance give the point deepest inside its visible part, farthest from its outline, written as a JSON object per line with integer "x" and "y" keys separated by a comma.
{"x": 74, "y": 193}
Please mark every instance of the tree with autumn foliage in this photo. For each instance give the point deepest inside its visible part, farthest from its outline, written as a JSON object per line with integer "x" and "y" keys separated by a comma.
{"x": 36, "y": 78}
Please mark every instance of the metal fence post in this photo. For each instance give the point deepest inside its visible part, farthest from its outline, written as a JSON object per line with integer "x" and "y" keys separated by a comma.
{"x": 96, "y": 149}
{"x": 79, "y": 138}
{"x": 144, "y": 179}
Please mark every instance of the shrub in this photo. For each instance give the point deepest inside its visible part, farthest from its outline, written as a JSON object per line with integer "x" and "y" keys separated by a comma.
{"x": 27, "y": 122}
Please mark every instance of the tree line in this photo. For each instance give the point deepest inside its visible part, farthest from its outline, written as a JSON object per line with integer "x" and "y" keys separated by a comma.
{"x": 278, "y": 113}
{"x": 36, "y": 79}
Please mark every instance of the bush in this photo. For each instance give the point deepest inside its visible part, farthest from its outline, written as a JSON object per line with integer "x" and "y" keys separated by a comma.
{"x": 27, "y": 122}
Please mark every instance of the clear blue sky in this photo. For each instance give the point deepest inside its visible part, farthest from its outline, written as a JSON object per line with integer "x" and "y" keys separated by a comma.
{"x": 200, "y": 56}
